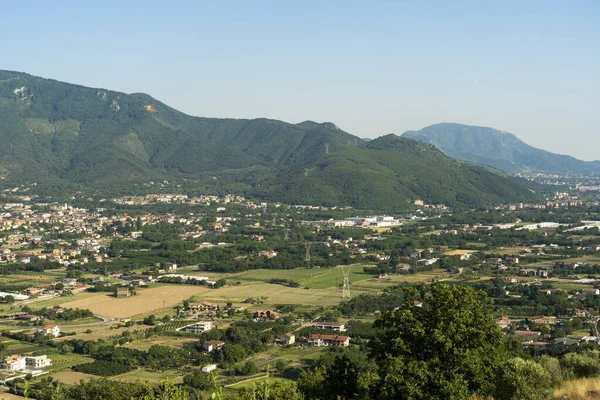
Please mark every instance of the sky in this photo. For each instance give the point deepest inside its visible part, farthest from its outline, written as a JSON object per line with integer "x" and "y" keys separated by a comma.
{"x": 372, "y": 67}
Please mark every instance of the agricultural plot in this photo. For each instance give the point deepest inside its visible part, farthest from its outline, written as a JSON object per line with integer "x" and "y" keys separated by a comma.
{"x": 314, "y": 278}
{"x": 104, "y": 333}
{"x": 144, "y": 375}
{"x": 71, "y": 377}
{"x": 160, "y": 340}
{"x": 146, "y": 301}
{"x": 273, "y": 294}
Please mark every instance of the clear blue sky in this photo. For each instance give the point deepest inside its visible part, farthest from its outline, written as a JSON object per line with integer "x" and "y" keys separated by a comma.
{"x": 528, "y": 67}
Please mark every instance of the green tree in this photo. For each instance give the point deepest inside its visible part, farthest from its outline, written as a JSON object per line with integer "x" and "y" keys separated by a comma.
{"x": 523, "y": 380}
{"x": 448, "y": 348}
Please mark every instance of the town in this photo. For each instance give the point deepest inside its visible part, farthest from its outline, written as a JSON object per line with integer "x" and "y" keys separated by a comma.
{"x": 245, "y": 289}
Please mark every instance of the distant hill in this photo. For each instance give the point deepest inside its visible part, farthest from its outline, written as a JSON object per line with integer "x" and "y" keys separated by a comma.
{"x": 391, "y": 170}
{"x": 498, "y": 149}
{"x": 61, "y": 136}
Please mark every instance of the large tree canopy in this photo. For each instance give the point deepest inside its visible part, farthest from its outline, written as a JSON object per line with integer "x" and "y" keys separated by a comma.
{"x": 450, "y": 347}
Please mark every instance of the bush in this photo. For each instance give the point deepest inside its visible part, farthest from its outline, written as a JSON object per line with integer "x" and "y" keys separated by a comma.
{"x": 249, "y": 368}
{"x": 523, "y": 380}
{"x": 581, "y": 365}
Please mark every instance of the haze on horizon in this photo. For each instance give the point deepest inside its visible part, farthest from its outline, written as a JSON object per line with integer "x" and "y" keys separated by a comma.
{"x": 529, "y": 68}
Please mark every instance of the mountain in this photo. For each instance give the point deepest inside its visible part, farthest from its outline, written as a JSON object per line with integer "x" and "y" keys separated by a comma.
{"x": 390, "y": 171}
{"x": 64, "y": 136}
{"x": 498, "y": 149}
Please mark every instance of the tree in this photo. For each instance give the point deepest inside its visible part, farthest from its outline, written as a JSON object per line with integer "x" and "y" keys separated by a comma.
{"x": 198, "y": 380}
{"x": 523, "y": 380}
{"x": 448, "y": 348}
{"x": 249, "y": 368}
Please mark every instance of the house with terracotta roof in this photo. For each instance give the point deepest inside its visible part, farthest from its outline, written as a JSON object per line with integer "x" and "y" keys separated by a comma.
{"x": 328, "y": 340}
{"x": 13, "y": 363}
{"x": 212, "y": 345}
{"x": 51, "y": 329}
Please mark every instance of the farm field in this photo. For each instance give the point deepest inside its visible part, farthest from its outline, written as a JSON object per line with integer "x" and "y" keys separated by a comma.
{"x": 272, "y": 294}
{"x": 160, "y": 340}
{"x": 459, "y": 252}
{"x": 314, "y": 278}
{"x": 144, "y": 375}
{"x": 61, "y": 362}
{"x": 71, "y": 377}
{"x": 293, "y": 355}
{"x": 146, "y": 301}
{"x": 103, "y": 333}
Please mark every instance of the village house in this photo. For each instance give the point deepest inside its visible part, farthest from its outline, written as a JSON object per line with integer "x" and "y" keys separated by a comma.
{"x": 590, "y": 292}
{"x": 122, "y": 292}
{"x": 203, "y": 306}
{"x": 265, "y": 315}
{"x": 543, "y": 320}
{"x": 328, "y": 340}
{"x": 286, "y": 340}
{"x": 333, "y": 326}
{"x": 211, "y": 345}
{"x": 51, "y": 329}
{"x": 503, "y": 322}
{"x": 31, "y": 291}
{"x": 28, "y": 318}
{"x": 197, "y": 327}
{"x": 37, "y": 362}
{"x": 209, "y": 368}
{"x": 13, "y": 363}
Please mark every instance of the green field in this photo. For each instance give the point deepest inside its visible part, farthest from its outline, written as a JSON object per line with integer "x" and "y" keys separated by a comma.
{"x": 314, "y": 278}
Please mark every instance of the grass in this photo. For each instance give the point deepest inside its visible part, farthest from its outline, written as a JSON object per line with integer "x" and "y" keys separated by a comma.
{"x": 273, "y": 294}
{"x": 146, "y": 301}
{"x": 71, "y": 377}
{"x": 145, "y": 375}
{"x": 74, "y": 323}
{"x": 579, "y": 389}
{"x": 159, "y": 340}
{"x": 313, "y": 278}
{"x": 60, "y": 362}
{"x": 294, "y": 356}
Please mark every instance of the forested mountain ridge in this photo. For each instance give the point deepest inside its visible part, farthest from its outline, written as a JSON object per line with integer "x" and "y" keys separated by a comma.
{"x": 498, "y": 149}
{"x": 63, "y": 134}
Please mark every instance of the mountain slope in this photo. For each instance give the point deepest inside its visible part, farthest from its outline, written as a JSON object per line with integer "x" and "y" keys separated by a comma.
{"x": 498, "y": 149}
{"x": 391, "y": 171}
{"x": 63, "y": 135}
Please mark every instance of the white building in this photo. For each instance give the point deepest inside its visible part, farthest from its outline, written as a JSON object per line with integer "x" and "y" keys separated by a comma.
{"x": 51, "y": 329}
{"x": 209, "y": 368}
{"x": 13, "y": 363}
{"x": 197, "y": 327}
{"x": 38, "y": 362}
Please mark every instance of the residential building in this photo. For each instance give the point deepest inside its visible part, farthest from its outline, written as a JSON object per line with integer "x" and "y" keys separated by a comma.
{"x": 333, "y": 326}
{"x": 197, "y": 327}
{"x": 590, "y": 292}
{"x": 204, "y": 306}
{"x": 503, "y": 322}
{"x": 209, "y": 368}
{"x": 328, "y": 340}
{"x": 543, "y": 320}
{"x": 38, "y": 362}
{"x": 268, "y": 314}
{"x": 212, "y": 345}
{"x": 13, "y": 363}
{"x": 51, "y": 329}
{"x": 122, "y": 292}
{"x": 286, "y": 340}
